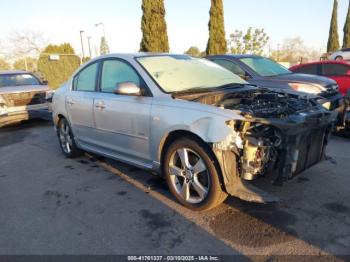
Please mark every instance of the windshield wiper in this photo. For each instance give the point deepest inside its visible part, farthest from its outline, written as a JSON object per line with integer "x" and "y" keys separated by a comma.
{"x": 231, "y": 85}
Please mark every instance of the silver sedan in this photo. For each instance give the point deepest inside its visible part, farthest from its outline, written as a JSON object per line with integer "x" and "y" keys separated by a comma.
{"x": 207, "y": 131}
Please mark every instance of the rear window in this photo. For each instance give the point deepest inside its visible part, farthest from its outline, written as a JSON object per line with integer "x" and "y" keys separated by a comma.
{"x": 18, "y": 80}
{"x": 307, "y": 69}
{"x": 335, "y": 70}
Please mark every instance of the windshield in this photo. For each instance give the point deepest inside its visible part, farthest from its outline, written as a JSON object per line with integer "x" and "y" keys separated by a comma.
{"x": 178, "y": 73}
{"x": 265, "y": 67}
{"x": 18, "y": 80}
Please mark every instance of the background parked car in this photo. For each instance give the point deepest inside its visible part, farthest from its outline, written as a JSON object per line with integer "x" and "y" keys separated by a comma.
{"x": 342, "y": 54}
{"x": 336, "y": 70}
{"x": 264, "y": 72}
{"x": 22, "y": 96}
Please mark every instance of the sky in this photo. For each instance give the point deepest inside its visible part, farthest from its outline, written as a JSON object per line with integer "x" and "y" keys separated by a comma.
{"x": 187, "y": 20}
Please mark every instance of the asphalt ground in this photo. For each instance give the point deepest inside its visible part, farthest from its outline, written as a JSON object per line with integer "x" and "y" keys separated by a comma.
{"x": 51, "y": 205}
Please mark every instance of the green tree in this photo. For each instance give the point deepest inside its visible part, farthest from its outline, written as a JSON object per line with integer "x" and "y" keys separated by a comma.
{"x": 104, "y": 48}
{"x": 153, "y": 26}
{"x": 4, "y": 65}
{"x": 194, "y": 51}
{"x": 27, "y": 63}
{"x": 252, "y": 42}
{"x": 56, "y": 72}
{"x": 333, "y": 39}
{"x": 217, "y": 38}
{"x": 346, "y": 40}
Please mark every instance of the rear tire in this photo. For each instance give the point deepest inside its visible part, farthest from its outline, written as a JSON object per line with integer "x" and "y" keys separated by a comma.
{"x": 66, "y": 140}
{"x": 339, "y": 58}
{"x": 192, "y": 175}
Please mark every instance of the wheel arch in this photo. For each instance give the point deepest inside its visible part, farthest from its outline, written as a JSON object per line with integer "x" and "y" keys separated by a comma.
{"x": 178, "y": 134}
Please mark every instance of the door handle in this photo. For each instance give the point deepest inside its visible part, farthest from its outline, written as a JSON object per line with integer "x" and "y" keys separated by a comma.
{"x": 100, "y": 105}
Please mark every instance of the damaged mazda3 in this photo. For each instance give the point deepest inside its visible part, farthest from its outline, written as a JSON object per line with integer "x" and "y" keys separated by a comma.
{"x": 207, "y": 131}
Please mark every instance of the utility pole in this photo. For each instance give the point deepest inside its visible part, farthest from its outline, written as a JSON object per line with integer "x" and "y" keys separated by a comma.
{"x": 103, "y": 28}
{"x": 82, "y": 44}
{"x": 89, "y": 38}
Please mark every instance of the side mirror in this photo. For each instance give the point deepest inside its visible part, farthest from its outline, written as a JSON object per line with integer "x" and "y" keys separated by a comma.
{"x": 127, "y": 88}
{"x": 347, "y": 73}
{"x": 45, "y": 82}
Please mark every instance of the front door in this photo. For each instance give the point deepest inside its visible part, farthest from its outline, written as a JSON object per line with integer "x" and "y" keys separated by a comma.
{"x": 122, "y": 121}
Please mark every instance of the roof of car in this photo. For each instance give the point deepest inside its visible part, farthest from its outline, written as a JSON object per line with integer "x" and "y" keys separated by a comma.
{"x": 13, "y": 72}
{"x": 133, "y": 55}
{"x": 323, "y": 62}
{"x": 236, "y": 56}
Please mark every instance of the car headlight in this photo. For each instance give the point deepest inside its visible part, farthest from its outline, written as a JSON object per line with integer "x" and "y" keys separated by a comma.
{"x": 307, "y": 88}
{"x": 49, "y": 95}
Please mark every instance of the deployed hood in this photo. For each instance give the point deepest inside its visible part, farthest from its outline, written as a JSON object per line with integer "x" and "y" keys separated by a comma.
{"x": 304, "y": 78}
{"x": 21, "y": 89}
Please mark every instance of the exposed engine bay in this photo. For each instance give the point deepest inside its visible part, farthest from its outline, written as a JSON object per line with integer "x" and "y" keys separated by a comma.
{"x": 282, "y": 135}
{"x": 260, "y": 103}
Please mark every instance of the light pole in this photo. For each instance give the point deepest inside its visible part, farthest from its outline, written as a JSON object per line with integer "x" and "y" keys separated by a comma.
{"x": 82, "y": 43}
{"x": 89, "y": 38}
{"x": 103, "y": 28}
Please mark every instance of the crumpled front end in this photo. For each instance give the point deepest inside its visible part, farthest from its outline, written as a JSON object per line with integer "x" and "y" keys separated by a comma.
{"x": 20, "y": 106}
{"x": 282, "y": 135}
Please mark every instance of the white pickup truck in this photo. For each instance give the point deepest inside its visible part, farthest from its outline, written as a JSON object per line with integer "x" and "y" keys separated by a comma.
{"x": 22, "y": 96}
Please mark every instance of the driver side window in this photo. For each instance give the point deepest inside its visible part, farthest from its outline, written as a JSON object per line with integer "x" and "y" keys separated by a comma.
{"x": 115, "y": 72}
{"x": 232, "y": 67}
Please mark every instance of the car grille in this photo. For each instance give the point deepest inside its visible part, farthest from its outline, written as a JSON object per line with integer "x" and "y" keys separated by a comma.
{"x": 24, "y": 99}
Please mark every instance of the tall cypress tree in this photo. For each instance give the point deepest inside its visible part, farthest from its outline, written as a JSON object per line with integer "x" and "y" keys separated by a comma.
{"x": 217, "y": 38}
{"x": 346, "y": 40}
{"x": 154, "y": 28}
{"x": 104, "y": 48}
{"x": 333, "y": 40}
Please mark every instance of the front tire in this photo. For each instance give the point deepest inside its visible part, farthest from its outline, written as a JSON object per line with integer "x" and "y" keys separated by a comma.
{"x": 66, "y": 139}
{"x": 192, "y": 175}
{"x": 339, "y": 58}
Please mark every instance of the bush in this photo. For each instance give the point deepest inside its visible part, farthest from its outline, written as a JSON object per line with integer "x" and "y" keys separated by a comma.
{"x": 56, "y": 72}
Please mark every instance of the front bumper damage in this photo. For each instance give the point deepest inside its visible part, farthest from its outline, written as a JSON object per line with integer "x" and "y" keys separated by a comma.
{"x": 14, "y": 115}
{"x": 293, "y": 146}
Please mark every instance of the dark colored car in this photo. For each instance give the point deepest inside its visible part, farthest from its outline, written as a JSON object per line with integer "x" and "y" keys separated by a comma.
{"x": 339, "y": 71}
{"x": 264, "y": 72}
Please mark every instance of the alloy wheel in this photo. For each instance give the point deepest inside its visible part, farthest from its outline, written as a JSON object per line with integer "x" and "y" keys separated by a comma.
{"x": 189, "y": 175}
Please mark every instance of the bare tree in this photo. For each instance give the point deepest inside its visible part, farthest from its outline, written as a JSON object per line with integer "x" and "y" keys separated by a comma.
{"x": 293, "y": 50}
{"x": 26, "y": 43}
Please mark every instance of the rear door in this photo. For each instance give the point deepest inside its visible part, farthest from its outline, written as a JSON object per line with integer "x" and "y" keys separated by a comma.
{"x": 338, "y": 72}
{"x": 79, "y": 103}
{"x": 122, "y": 121}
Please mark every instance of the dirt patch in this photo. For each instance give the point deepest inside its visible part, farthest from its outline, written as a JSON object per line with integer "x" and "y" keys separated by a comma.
{"x": 302, "y": 180}
{"x": 154, "y": 220}
{"x": 337, "y": 208}
{"x": 244, "y": 229}
{"x": 14, "y": 139}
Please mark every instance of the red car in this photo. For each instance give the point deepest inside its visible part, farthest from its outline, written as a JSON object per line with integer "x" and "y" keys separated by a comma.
{"x": 336, "y": 70}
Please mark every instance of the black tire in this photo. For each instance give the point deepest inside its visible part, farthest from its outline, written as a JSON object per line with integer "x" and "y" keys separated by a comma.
{"x": 72, "y": 151}
{"x": 215, "y": 195}
{"x": 339, "y": 58}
